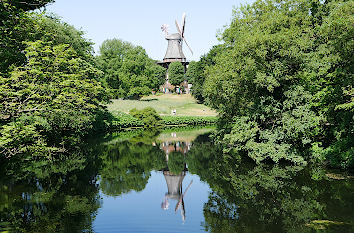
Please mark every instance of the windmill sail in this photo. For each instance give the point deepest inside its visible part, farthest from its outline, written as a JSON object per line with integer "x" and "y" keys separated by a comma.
{"x": 178, "y": 28}
{"x": 187, "y": 45}
{"x": 183, "y": 23}
{"x": 181, "y": 31}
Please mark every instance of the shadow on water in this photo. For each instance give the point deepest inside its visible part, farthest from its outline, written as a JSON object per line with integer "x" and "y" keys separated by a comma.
{"x": 65, "y": 194}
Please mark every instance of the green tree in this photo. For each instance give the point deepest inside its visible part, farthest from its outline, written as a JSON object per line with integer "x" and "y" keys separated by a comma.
{"x": 176, "y": 162}
{"x": 127, "y": 69}
{"x": 196, "y": 71}
{"x": 156, "y": 75}
{"x": 281, "y": 83}
{"x": 193, "y": 71}
{"x": 176, "y": 73}
{"x": 194, "y": 75}
{"x": 15, "y": 27}
{"x": 49, "y": 28}
{"x": 49, "y": 103}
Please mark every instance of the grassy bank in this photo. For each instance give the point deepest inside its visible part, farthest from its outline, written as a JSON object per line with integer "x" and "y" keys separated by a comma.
{"x": 185, "y": 105}
{"x": 188, "y": 111}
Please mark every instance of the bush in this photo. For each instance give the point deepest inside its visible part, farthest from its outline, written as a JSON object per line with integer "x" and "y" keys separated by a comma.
{"x": 189, "y": 120}
{"x": 147, "y": 115}
{"x": 122, "y": 120}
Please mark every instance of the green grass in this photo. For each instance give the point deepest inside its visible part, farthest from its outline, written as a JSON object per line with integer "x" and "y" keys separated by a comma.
{"x": 185, "y": 105}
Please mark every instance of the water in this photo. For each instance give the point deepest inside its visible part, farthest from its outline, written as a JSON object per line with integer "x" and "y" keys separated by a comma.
{"x": 175, "y": 181}
{"x": 142, "y": 211}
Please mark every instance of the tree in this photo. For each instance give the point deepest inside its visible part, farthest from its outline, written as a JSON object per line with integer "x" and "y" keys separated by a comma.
{"x": 176, "y": 162}
{"x": 175, "y": 73}
{"x": 127, "y": 69}
{"x": 15, "y": 27}
{"x": 49, "y": 28}
{"x": 27, "y": 5}
{"x": 193, "y": 71}
{"x": 196, "y": 71}
{"x": 281, "y": 83}
{"x": 49, "y": 103}
{"x": 156, "y": 75}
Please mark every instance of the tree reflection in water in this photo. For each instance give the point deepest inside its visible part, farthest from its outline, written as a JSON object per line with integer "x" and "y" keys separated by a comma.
{"x": 62, "y": 195}
{"x": 127, "y": 165}
{"x": 42, "y": 195}
{"x": 269, "y": 198}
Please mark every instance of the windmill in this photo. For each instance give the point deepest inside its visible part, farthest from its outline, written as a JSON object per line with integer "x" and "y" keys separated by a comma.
{"x": 174, "y": 50}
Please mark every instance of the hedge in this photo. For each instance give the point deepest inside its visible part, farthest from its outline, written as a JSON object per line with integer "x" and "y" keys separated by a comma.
{"x": 189, "y": 120}
{"x": 122, "y": 120}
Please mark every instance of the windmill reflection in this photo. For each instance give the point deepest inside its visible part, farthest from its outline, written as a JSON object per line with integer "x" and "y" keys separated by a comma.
{"x": 174, "y": 174}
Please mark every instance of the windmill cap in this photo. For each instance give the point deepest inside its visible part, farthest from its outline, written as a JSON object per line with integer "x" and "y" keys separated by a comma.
{"x": 175, "y": 36}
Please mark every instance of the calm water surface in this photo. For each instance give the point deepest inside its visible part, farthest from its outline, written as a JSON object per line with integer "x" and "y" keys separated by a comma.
{"x": 174, "y": 181}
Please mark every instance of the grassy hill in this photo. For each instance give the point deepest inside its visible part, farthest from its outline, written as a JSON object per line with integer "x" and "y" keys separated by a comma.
{"x": 185, "y": 105}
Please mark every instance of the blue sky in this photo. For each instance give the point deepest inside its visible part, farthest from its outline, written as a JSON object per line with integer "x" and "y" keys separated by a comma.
{"x": 139, "y": 21}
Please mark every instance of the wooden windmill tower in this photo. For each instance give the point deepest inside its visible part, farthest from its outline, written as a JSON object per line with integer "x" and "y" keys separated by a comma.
{"x": 174, "y": 50}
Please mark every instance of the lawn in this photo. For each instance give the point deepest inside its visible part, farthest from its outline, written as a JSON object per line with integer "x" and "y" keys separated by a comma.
{"x": 185, "y": 105}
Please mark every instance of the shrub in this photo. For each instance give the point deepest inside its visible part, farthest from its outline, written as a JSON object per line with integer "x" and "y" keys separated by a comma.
{"x": 122, "y": 120}
{"x": 147, "y": 115}
{"x": 189, "y": 120}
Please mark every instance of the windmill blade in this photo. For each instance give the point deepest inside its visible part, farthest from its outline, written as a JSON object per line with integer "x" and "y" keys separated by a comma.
{"x": 164, "y": 28}
{"x": 178, "y": 28}
{"x": 183, "y": 23}
{"x": 187, "y": 45}
{"x": 181, "y": 198}
{"x": 180, "y": 32}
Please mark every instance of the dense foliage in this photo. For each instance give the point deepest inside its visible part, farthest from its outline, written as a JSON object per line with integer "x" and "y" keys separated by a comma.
{"x": 15, "y": 26}
{"x": 127, "y": 166}
{"x": 56, "y": 195}
{"x": 189, "y": 120}
{"x": 176, "y": 162}
{"x": 50, "y": 97}
{"x": 192, "y": 71}
{"x": 147, "y": 118}
{"x": 53, "y": 100}
{"x": 268, "y": 198}
{"x": 283, "y": 82}
{"x": 175, "y": 73}
{"x": 147, "y": 115}
{"x": 196, "y": 71}
{"x": 50, "y": 28}
{"x": 128, "y": 70}
{"x": 122, "y": 120}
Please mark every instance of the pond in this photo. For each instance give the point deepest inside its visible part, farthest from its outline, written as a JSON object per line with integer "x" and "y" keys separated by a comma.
{"x": 172, "y": 181}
